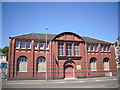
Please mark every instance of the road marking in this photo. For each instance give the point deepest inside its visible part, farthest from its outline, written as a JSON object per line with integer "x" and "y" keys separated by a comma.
{"x": 80, "y": 81}
{"x": 59, "y": 82}
{"x": 56, "y": 82}
{"x": 22, "y": 83}
{"x": 13, "y": 83}
{"x": 106, "y": 80}
{"x": 112, "y": 79}
{"x": 100, "y": 80}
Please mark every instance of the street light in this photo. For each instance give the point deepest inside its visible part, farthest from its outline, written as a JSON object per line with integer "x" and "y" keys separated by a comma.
{"x": 46, "y": 51}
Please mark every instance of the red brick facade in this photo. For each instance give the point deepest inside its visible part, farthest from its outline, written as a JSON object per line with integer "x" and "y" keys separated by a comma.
{"x": 60, "y": 67}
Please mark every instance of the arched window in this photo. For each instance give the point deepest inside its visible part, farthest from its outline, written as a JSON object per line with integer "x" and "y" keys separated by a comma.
{"x": 22, "y": 64}
{"x": 41, "y": 64}
{"x": 93, "y": 64}
{"x": 106, "y": 63}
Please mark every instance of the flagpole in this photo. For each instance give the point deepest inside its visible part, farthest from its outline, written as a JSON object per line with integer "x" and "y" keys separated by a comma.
{"x": 46, "y": 51}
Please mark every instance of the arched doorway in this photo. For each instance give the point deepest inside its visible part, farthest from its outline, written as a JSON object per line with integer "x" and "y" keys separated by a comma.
{"x": 69, "y": 71}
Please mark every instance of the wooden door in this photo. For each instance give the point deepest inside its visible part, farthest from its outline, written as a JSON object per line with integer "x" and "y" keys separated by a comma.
{"x": 69, "y": 71}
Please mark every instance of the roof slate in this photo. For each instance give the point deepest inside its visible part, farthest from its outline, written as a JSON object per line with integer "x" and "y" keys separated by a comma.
{"x": 36, "y": 36}
{"x": 89, "y": 39}
{"x": 41, "y": 36}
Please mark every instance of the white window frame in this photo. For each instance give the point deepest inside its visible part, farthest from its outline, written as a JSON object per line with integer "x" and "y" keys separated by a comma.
{"x": 60, "y": 49}
{"x": 106, "y": 65}
{"x": 17, "y": 43}
{"x": 41, "y": 65}
{"x": 93, "y": 66}
{"x": 69, "y": 49}
{"x": 76, "y": 50}
{"x": 22, "y": 66}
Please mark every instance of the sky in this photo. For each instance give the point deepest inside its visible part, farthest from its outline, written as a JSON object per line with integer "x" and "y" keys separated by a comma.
{"x": 92, "y": 19}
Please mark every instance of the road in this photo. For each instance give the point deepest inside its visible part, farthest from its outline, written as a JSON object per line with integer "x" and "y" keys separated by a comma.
{"x": 109, "y": 82}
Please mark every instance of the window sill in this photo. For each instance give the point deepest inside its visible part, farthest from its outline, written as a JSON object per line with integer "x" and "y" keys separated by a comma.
{"x": 47, "y": 50}
{"x": 17, "y": 48}
{"x": 93, "y": 70}
{"x": 41, "y": 71}
{"x": 93, "y": 51}
{"x": 107, "y": 70}
{"x": 36, "y": 48}
{"x": 67, "y": 57}
{"x": 104, "y": 52}
{"x": 22, "y": 71}
{"x": 77, "y": 56}
{"x": 60, "y": 55}
{"x": 23, "y": 48}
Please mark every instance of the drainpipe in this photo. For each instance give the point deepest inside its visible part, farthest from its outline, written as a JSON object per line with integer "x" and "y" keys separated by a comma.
{"x": 50, "y": 58}
{"x": 86, "y": 57}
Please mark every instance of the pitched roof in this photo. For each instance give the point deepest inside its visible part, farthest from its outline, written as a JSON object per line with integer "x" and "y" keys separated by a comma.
{"x": 35, "y": 36}
{"x": 89, "y": 39}
{"x": 41, "y": 36}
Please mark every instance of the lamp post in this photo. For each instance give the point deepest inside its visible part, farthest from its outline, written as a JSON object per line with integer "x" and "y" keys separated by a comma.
{"x": 46, "y": 51}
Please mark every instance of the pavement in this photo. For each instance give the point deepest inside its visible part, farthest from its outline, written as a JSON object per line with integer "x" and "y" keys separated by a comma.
{"x": 99, "y": 82}
{"x": 112, "y": 77}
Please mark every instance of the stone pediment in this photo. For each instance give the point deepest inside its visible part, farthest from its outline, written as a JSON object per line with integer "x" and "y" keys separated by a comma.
{"x": 68, "y": 37}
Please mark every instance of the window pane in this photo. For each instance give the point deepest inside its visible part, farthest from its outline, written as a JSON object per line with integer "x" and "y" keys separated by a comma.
{"x": 44, "y": 66}
{"x": 76, "y": 49}
{"x": 108, "y": 47}
{"x": 17, "y": 44}
{"x": 47, "y": 46}
{"x": 29, "y": 44}
{"x": 60, "y": 49}
{"x": 105, "y": 47}
{"x": 68, "y": 49}
{"x": 41, "y": 45}
{"x": 92, "y": 47}
{"x": 22, "y": 61}
{"x": 20, "y": 66}
{"x": 101, "y": 48}
{"x": 88, "y": 47}
{"x": 106, "y": 63}
{"x": 93, "y": 64}
{"x": 23, "y": 44}
{"x": 96, "y": 48}
{"x": 41, "y": 64}
{"x": 36, "y": 45}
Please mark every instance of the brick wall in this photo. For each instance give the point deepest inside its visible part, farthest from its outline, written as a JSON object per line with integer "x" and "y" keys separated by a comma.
{"x": 56, "y": 64}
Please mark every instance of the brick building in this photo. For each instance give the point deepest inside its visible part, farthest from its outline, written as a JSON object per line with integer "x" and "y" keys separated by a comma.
{"x": 68, "y": 56}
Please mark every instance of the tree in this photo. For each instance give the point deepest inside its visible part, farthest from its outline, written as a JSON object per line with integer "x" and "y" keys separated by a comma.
{"x": 5, "y": 50}
{"x": 0, "y": 50}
